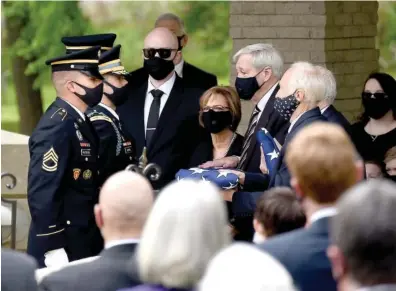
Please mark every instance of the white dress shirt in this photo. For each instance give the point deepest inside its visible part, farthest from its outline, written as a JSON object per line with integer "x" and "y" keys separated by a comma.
{"x": 261, "y": 104}
{"x": 294, "y": 122}
{"x": 179, "y": 68}
{"x": 114, "y": 243}
{"x": 322, "y": 213}
{"x": 166, "y": 88}
{"x": 110, "y": 109}
{"x": 324, "y": 109}
{"x": 75, "y": 108}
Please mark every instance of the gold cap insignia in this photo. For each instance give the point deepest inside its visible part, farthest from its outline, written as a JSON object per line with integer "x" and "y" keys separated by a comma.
{"x": 50, "y": 161}
{"x": 87, "y": 174}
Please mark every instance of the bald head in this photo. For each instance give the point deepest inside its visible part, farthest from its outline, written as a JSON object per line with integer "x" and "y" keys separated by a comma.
{"x": 161, "y": 37}
{"x": 125, "y": 201}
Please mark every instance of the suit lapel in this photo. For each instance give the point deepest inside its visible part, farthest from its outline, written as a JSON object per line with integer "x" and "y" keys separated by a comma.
{"x": 169, "y": 112}
{"x": 85, "y": 129}
{"x": 263, "y": 122}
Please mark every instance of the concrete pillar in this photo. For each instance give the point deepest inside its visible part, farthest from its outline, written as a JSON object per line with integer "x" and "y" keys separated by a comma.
{"x": 340, "y": 35}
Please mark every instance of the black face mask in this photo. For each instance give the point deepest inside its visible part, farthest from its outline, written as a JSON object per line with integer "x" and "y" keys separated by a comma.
{"x": 119, "y": 95}
{"x": 286, "y": 106}
{"x": 216, "y": 121}
{"x": 246, "y": 87}
{"x": 376, "y": 107}
{"x": 92, "y": 96}
{"x": 158, "y": 68}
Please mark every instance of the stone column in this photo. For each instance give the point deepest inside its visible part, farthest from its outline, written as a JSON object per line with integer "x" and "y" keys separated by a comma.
{"x": 339, "y": 35}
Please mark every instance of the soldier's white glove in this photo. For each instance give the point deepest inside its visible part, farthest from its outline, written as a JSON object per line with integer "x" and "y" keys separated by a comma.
{"x": 56, "y": 258}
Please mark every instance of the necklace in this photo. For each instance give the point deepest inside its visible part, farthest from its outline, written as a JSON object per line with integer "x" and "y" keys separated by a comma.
{"x": 373, "y": 137}
{"x": 229, "y": 146}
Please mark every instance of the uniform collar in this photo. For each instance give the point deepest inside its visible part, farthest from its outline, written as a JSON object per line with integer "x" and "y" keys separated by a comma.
{"x": 75, "y": 108}
{"x": 110, "y": 110}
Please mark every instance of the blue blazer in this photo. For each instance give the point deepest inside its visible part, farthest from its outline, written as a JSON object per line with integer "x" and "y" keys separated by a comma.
{"x": 334, "y": 116}
{"x": 244, "y": 202}
{"x": 303, "y": 253}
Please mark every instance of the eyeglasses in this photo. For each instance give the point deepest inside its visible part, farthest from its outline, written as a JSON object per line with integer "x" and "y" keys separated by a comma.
{"x": 163, "y": 53}
{"x": 216, "y": 108}
{"x": 379, "y": 95}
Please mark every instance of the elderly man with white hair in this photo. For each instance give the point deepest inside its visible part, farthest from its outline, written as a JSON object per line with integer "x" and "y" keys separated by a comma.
{"x": 326, "y": 106}
{"x": 301, "y": 90}
{"x": 124, "y": 204}
{"x": 192, "y": 76}
{"x": 186, "y": 228}
{"x": 243, "y": 267}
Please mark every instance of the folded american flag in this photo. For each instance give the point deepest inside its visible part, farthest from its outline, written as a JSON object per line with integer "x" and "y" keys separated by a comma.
{"x": 220, "y": 177}
{"x": 270, "y": 149}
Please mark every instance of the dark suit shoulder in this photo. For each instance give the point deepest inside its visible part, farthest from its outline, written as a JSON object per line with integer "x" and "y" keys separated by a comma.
{"x": 199, "y": 71}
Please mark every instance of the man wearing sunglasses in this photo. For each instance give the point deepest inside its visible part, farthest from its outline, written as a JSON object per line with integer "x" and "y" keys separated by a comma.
{"x": 162, "y": 114}
{"x": 192, "y": 76}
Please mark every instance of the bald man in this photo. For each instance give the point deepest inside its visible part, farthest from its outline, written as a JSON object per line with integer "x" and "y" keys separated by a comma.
{"x": 162, "y": 114}
{"x": 192, "y": 76}
{"x": 125, "y": 201}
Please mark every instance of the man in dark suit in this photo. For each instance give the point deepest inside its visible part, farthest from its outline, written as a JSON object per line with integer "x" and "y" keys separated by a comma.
{"x": 259, "y": 67}
{"x": 17, "y": 271}
{"x": 63, "y": 169}
{"x": 322, "y": 163}
{"x": 124, "y": 204}
{"x": 162, "y": 115}
{"x": 364, "y": 259}
{"x": 326, "y": 106}
{"x": 300, "y": 92}
{"x": 192, "y": 76}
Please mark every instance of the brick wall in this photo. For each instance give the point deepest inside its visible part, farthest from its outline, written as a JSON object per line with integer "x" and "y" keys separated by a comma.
{"x": 339, "y": 35}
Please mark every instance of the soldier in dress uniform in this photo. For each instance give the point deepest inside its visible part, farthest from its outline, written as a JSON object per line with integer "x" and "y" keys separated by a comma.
{"x": 117, "y": 148}
{"x": 77, "y": 43}
{"x": 63, "y": 170}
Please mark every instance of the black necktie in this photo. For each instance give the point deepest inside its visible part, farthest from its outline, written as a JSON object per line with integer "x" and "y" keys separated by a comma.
{"x": 153, "y": 115}
{"x": 248, "y": 137}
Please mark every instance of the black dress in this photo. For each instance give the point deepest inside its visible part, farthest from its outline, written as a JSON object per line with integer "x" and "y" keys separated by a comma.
{"x": 372, "y": 148}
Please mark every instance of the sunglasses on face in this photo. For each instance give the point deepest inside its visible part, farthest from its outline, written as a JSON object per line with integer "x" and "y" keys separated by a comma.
{"x": 379, "y": 95}
{"x": 163, "y": 53}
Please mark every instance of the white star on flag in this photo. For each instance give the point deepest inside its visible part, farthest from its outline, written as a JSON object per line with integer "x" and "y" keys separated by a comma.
{"x": 273, "y": 155}
{"x": 223, "y": 174}
{"x": 197, "y": 171}
{"x": 265, "y": 130}
{"x": 232, "y": 186}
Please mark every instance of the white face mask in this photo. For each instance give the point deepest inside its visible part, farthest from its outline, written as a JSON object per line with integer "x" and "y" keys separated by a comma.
{"x": 258, "y": 238}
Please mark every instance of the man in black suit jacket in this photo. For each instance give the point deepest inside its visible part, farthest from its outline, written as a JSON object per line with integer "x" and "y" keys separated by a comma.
{"x": 17, "y": 271}
{"x": 322, "y": 162}
{"x": 192, "y": 76}
{"x": 162, "y": 115}
{"x": 326, "y": 106}
{"x": 125, "y": 201}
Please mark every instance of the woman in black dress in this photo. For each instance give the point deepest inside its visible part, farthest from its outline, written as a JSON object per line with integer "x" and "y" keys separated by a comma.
{"x": 375, "y": 133}
{"x": 220, "y": 114}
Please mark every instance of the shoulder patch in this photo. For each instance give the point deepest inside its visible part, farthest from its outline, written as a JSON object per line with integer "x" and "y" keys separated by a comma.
{"x": 60, "y": 113}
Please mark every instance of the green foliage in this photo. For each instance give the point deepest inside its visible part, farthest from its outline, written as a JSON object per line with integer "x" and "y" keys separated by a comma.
{"x": 386, "y": 37}
{"x": 44, "y": 23}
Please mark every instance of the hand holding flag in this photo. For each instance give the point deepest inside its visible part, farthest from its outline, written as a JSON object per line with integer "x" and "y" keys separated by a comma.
{"x": 269, "y": 149}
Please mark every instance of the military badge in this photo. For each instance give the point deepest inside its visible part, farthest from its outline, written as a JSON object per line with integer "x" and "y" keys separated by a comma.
{"x": 87, "y": 174}
{"x": 50, "y": 161}
{"x": 79, "y": 135}
{"x": 86, "y": 152}
{"x": 76, "y": 173}
{"x": 85, "y": 144}
{"x": 75, "y": 125}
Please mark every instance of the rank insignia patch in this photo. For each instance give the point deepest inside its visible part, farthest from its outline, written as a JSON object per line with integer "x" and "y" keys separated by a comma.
{"x": 87, "y": 174}
{"x": 50, "y": 161}
{"x": 76, "y": 173}
{"x": 85, "y": 144}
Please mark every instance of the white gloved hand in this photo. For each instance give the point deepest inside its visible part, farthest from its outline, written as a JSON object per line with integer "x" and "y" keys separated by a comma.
{"x": 56, "y": 258}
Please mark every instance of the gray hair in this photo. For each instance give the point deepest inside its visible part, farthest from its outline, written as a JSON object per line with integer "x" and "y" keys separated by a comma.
{"x": 173, "y": 17}
{"x": 263, "y": 55}
{"x": 186, "y": 227}
{"x": 306, "y": 76}
{"x": 330, "y": 84}
{"x": 242, "y": 266}
{"x": 365, "y": 231}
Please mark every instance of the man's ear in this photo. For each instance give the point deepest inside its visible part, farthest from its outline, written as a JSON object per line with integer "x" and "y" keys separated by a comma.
{"x": 297, "y": 188}
{"x": 98, "y": 216}
{"x": 184, "y": 41}
{"x": 300, "y": 95}
{"x": 267, "y": 73}
{"x": 337, "y": 260}
{"x": 71, "y": 86}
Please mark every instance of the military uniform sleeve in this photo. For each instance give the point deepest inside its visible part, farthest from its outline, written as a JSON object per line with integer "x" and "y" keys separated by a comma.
{"x": 50, "y": 149}
{"x": 104, "y": 129}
